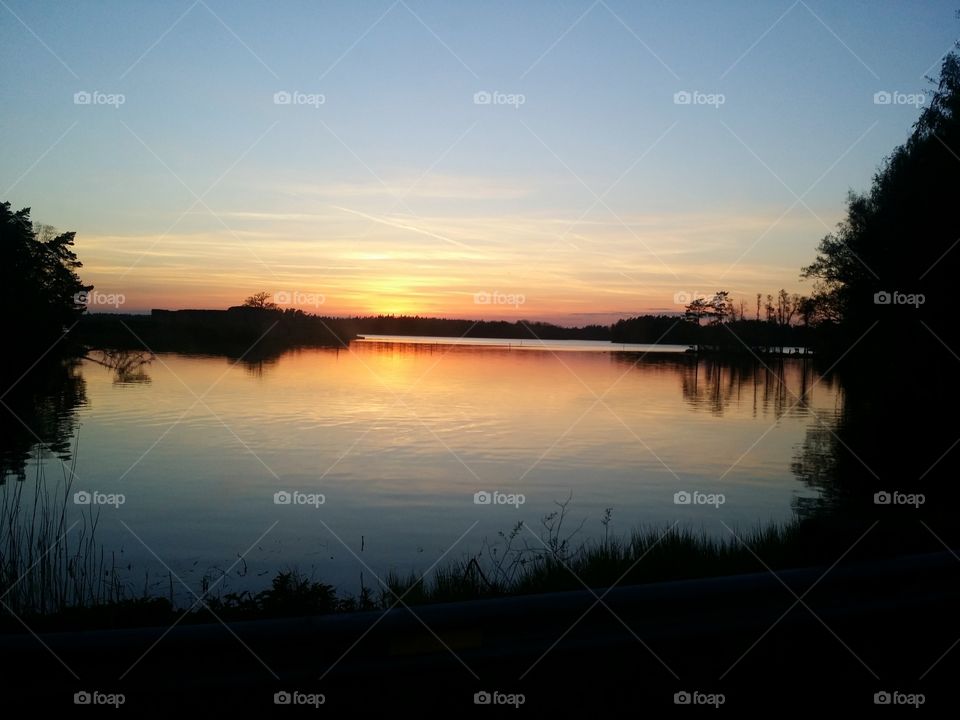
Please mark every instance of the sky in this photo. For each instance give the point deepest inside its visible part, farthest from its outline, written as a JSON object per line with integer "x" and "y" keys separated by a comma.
{"x": 570, "y": 161}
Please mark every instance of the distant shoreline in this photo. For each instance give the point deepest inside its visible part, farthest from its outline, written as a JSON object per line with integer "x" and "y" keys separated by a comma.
{"x": 267, "y": 332}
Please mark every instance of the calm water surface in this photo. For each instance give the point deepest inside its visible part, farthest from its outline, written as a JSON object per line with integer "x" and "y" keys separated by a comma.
{"x": 399, "y": 436}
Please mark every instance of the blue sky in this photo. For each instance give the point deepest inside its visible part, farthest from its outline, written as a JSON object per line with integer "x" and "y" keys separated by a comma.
{"x": 583, "y": 187}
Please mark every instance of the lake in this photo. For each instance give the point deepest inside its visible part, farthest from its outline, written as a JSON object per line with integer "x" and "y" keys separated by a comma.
{"x": 378, "y": 453}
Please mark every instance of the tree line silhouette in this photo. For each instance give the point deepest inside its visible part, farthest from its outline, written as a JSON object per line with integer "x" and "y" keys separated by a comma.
{"x": 38, "y": 271}
{"x": 885, "y": 278}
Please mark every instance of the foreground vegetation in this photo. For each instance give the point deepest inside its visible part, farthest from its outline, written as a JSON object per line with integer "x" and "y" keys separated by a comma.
{"x": 51, "y": 583}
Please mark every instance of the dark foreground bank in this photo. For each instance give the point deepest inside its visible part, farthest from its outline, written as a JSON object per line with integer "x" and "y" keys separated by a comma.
{"x": 857, "y": 636}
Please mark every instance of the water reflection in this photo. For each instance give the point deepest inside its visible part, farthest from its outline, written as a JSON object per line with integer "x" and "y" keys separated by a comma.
{"x": 781, "y": 384}
{"x": 400, "y": 437}
{"x": 127, "y": 366}
{"x": 815, "y": 465}
{"x": 39, "y": 415}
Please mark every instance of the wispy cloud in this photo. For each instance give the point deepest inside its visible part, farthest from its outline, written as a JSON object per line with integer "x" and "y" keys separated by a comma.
{"x": 434, "y": 186}
{"x": 389, "y": 222}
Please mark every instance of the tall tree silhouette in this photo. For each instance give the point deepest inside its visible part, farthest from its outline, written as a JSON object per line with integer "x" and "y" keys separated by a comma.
{"x": 900, "y": 237}
{"x": 38, "y": 272}
{"x": 887, "y": 277}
